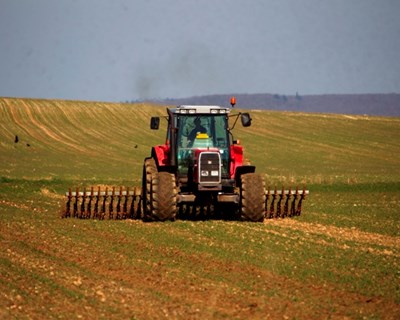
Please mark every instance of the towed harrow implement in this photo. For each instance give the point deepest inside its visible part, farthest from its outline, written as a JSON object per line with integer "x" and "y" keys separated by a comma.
{"x": 290, "y": 200}
{"x": 101, "y": 204}
{"x": 126, "y": 203}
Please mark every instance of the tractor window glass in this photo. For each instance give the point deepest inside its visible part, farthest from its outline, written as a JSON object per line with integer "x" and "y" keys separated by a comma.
{"x": 211, "y": 130}
{"x": 199, "y": 132}
{"x": 220, "y": 132}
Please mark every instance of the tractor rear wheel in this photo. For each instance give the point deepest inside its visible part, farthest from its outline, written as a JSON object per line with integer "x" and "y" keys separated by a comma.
{"x": 159, "y": 193}
{"x": 149, "y": 173}
{"x": 252, "y": 197}
{"x": 164, "y": 197}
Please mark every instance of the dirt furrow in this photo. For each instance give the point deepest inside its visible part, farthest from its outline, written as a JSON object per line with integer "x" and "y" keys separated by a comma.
{"x": 340, "y": 234}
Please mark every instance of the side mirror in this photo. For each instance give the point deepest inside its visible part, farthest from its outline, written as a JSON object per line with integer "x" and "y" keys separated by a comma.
{"x": 154, "y": 123}
{"x": 246, "y": 119}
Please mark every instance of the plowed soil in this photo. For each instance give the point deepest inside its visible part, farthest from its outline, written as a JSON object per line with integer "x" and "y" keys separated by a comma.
{"x": 74, "y": 269}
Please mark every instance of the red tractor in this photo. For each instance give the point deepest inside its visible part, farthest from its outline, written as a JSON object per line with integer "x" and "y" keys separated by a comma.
{"x": 200, "y": 170}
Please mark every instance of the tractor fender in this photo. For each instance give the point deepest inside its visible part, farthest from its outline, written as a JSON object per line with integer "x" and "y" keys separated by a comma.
{"x": 160, "y": 154}
{"x": 236, "y": 156}
{"x": 243, "y": 170}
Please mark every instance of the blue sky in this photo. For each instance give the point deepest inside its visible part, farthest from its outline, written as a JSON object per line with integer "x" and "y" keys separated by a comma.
{"x": 139, "y": 49}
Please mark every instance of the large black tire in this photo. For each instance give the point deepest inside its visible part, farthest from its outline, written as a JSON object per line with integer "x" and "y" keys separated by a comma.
{"x": 159, "y": 193}
{"x": 252, "y": 197}
{"x": 149, "y": 173}
{"x": 164, "y": 197}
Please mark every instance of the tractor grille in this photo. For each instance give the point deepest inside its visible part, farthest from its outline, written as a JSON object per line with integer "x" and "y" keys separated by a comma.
{"x": 209, "y": 167}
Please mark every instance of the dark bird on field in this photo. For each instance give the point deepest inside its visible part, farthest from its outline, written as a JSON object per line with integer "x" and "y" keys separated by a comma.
{"x": 28, "y": 145}
{"x": 16, "y": 139}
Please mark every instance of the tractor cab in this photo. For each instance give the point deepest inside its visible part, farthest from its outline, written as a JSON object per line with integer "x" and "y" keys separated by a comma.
{"x": 200, "y": 129}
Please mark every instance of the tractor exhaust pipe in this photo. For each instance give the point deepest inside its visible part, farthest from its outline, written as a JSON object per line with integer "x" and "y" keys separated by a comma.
{"x": 172, "y": 134}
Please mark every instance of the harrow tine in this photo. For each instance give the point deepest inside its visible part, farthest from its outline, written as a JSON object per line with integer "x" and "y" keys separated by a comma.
{"x": 272, "y": 206}
{"x": 124, "y": 199}
{"x": 135, "y": 209}
{"x": 267, "y": 210}
{"x": 118, "y": 208}
{"x": 103, "y": 207}
{"x": 67, "y": 212}
{"x": 138, "y": 197}
{"x": 286, "y": 206}
{"x": 89, "y": 206}
{"x": 278, "y": 205}
{"x": 82, "y": 206}
{"x": 96, "y": 205}
{"x": 125, "y": 205}
{"x": 302, "y": 197}
{"x": 293, "y": 204}
{"x": 111, "y": 205}
{"x": 132, "y": 211}
{"x": 76, "y": 203}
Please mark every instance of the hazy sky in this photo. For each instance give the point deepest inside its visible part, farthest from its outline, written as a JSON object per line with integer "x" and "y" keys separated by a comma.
{"x": 117, "y": 50}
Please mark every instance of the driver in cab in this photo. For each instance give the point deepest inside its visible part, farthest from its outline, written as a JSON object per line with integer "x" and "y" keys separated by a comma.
{"x": 196, "y": 130}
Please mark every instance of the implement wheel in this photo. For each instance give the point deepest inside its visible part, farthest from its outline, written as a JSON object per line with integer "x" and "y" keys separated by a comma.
{"x": 252, "y": 197}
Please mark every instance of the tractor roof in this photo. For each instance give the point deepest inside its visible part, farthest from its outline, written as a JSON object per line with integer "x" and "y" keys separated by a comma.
{"x": 195, "y": 109}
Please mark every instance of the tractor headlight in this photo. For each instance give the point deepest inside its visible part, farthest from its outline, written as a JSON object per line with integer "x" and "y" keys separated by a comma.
{"x": 219, "y": 110}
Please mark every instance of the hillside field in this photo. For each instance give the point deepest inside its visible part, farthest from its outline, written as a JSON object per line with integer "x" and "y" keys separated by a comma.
{"x": 339, "y": 260}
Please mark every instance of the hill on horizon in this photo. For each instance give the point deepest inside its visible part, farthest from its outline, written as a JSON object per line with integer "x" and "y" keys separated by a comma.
{"x": 369, "y": 104}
